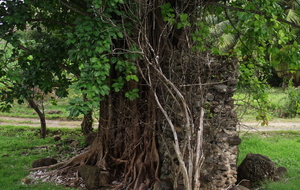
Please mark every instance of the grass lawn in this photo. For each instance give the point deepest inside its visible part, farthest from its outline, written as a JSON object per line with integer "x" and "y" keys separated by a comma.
{"x": 23, "y": 110}
{"x": 19, "y": 149}
{"x": 283, "y": 148}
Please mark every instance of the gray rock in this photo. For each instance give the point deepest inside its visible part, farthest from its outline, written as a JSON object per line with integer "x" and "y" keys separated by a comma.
{"x": 43, "y": 162}
{"x": 234, "y": 140}
{"x": 221, "y": 88}
{"x": 257, "y": 168}
{"x": 54, "y": 112}
{"x": 94, "y": 177}
{"x": 162, "y": 185}
{"x": 210, "y": 97}
{"x": 232, "y": 81}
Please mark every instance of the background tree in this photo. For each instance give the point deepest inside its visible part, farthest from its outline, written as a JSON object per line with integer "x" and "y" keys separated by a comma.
{"x": 40, "y": 66}
{"x": 150, "y": 67}
{"x": 28, "y": 78}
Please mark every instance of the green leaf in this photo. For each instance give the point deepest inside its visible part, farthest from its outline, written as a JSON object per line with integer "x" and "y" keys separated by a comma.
{"x": 184, "y": 16}
{"x": 132, "y": 77}
{"x": 118, "y": 84}
{"x": 120, "y": 34}
{"x": 179, "y": 25}
{"x": 30, "y": 57}
{"x": 132, "y": 95}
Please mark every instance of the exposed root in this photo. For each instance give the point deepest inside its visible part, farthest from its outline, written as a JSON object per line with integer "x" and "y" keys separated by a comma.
{"x": 75, "y": 161}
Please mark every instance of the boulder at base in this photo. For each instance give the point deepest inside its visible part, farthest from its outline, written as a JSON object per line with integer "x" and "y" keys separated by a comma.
{"x": 94, "y": 177}
{"x": 257, "y": 168}
{"x": 43, "y": 162}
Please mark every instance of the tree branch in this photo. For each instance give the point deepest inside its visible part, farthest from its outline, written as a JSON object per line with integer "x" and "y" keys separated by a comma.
{"x": 52, "y": 21}
{"x": 23, "y": 47}
{"x": 254, "y": 12}
{"x": 73, "y": 8}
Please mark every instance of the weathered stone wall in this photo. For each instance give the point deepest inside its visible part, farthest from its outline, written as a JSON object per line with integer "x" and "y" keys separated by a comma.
{"x": 218, "y": 84}
{"x": 220, "y": 139}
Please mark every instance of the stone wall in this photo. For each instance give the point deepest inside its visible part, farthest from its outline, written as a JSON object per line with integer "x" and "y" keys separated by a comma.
{"x": 220, "y": 139}
{"x": 220, "y": 146}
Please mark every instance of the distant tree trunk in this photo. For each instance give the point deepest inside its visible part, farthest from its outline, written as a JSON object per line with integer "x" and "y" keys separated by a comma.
{"x": 41, "y": 116}
{"x": 87, "y": 123}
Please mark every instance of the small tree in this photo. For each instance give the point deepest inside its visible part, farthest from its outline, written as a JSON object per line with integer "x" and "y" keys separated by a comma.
{"x": 29, "y": 78}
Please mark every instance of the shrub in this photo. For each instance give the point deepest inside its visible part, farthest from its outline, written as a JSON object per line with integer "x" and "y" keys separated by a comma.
{"x": 292, "y": 106}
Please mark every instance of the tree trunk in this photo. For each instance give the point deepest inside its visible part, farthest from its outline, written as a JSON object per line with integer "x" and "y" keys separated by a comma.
{"x": 180, "y": 125}
{"x": 41, "y": 116}
{"x": 127, "y": 138}
{"x": 179, "y": 116}
{"x": 87, "y": 123}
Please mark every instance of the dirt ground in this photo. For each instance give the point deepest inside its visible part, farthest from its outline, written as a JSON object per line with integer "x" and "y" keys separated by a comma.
{"x": 275, "y": 125}
{"x": 34, "y": 122}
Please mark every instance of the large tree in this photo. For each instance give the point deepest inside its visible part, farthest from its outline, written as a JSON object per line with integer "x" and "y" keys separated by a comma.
{"x": 162, "y": 86}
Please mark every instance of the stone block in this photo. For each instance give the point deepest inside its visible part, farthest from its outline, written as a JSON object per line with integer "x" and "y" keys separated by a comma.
{"x": 94, "y": 177}
{"x": 43, "y": 162}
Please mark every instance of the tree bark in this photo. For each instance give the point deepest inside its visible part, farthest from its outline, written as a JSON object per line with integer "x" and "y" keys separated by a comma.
{"x": 87, "y": 123}
{"x": 167, "y": 125}
{"x": 41, "y": 116}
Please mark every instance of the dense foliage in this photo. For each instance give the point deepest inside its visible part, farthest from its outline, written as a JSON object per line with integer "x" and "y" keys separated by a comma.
{"x": 86, "y": 38}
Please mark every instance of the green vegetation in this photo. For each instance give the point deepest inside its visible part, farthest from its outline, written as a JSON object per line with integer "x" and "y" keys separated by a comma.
{"x": 19, "y": 144}
{"x": 19, "y": 150}
{"x": 282, "y": 148}
{"x": 51, "y": 110}
{"x": 23, "y": 110}
{"x": 282, "y": 104}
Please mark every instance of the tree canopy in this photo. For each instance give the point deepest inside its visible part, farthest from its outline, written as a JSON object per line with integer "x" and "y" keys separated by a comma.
{"x": 86, "y": 38}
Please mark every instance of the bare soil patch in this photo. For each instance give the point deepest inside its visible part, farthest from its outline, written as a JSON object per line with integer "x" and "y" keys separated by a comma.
{"x": 35, "y": 122}
{"x": 274, "y": 125}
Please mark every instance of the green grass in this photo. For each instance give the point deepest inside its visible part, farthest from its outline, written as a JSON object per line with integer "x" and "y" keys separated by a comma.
{"x": 19, "y": 144}
{"x": 282, "y": 148}
{"x": 23, "y": 110}
{"x": 18, "y": 151}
